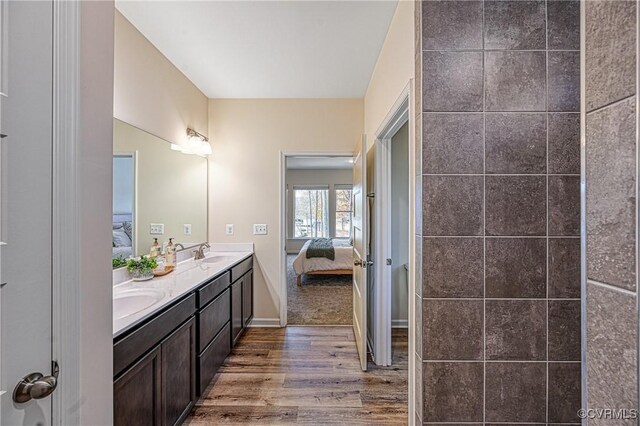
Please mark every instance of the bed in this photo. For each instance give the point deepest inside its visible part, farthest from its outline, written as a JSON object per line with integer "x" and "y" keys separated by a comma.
{"x": 122, "y": 231}
{"x": 342, "y": 265}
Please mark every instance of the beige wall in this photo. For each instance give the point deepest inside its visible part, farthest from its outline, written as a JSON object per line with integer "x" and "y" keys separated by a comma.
{"x": 150, "y": 92}
{"x": 171, "y": 188}
{"x": 248, "y": 136}
{"x": 394, "y": 68}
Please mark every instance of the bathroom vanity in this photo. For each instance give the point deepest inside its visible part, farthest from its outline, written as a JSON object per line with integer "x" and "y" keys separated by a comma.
{"x": 166, "y": 355}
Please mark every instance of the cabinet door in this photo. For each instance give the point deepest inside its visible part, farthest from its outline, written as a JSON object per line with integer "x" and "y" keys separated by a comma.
{"x": 247, "y": 299}
{"x": 236, "y": 310}
{"x": 178, "y": 373}
{"x": 136, "y": 393}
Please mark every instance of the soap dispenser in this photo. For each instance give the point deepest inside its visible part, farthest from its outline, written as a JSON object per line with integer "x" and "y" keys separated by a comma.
{"x": 155, "y": 249}
{"x": 170, "y": 254}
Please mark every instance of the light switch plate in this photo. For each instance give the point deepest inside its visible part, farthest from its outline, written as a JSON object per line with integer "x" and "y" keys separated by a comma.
{"x": 156, "y": 229}
{"x": 228, "y": 229}
{"x": 187, "y": 229}
{"x": 259, "y": 229}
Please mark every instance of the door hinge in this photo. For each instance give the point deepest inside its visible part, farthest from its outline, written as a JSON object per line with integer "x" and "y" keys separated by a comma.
{"x": 389, "y": 262}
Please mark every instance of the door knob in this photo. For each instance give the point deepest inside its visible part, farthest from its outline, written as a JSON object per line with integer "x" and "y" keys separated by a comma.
{"x": 357, "y": 262}
{"x": 36, "y": 385}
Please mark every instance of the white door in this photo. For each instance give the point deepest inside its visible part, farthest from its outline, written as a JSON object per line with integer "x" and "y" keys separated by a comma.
{"x": 360, "y": 261}
{"x": 26, "y": 210}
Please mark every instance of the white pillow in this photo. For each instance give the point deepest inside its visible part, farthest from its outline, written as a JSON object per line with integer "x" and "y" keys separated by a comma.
{"x": 120, "y": 238}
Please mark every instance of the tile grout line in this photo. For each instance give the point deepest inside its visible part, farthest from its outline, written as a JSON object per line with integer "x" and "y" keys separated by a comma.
{"x": 484, "y": 228}
{"x": 612, "y": 287}
{"x": 546, "y": 36}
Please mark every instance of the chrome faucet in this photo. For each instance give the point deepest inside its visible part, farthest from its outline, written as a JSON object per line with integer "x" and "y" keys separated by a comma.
{"x": 199, "y": 252}
{"x": 175, "y": 246}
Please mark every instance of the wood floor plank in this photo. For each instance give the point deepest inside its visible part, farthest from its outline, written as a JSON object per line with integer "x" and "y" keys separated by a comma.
{"x": 304, "y": 375}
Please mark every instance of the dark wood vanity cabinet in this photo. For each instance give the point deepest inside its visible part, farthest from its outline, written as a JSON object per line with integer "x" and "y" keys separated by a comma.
{"x": 164, "y": 364}
{"x": 137, "y": 393}
{"x": 236, "y": 311}
{"x": 178, "y": 358}
{"x": 247, "y": 299}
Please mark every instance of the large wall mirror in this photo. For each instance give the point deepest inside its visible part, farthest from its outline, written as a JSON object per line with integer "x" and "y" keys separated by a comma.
{"x": 157, "y": 193}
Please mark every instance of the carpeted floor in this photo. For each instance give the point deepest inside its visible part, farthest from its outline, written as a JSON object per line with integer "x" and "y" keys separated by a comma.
{"x": 321, "y": 300}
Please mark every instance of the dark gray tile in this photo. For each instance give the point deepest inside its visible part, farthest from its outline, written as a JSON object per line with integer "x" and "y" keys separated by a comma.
{"x": 514, "y": 25}
{"x": 564, "y": 81}
{"x": 610, "y": 51}
{"x": 564, "y": 330}
{"x": 452, "y": 329}
{"x": 516, "y": 391}
{"x": 418, "y": 138}
{"x": 611, "y": 173}
{"x": 612, "y": 332}
{"x": 564, "y": 143}
{"x": 451, "y": 25}
{"x": 516, "y": 330}
{"x": 516, "y": 267}
{"x": 515, "y": 81}
{"x": 453, "y": 391}
{"x": 452, "y": 205}
{"x": 418, "y": 205}
{"x": 564, "y": 268}
{"x": 563, "y": 24}
{"x": 564, "y": 205}
{"x": 453, "y": 267}
{"x": 419, "y": 386}
{"x": 516, "y": 143}
{"x": 452, "y": 81}
{"x": 452, "y": 143}
{"x": 516, "y": 205}
{"x": 418, "y": 313}
{"x": 418, "y": 269}
{"x": 564, "y": 392}
{"x": 511, "y": 424}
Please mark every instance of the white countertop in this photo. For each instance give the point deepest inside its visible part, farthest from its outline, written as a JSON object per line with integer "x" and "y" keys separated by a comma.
{"x": 187, "y": 276}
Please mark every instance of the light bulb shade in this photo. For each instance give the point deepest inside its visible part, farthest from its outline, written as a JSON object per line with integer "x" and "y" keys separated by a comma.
{"x": 205, "y": 148}
{"x": 193, "y": 143}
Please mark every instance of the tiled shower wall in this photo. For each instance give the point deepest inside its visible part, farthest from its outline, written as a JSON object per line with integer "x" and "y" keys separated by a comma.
{"x": 500, "y": 218}
{"x": 611, "y": 151}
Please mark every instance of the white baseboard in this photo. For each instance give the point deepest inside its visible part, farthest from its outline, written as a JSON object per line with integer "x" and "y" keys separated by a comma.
{"x": 265, "y": 322}
{"x": 399, "y": 324}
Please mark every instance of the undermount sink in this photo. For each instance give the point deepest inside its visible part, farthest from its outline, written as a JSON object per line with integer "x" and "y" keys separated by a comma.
{"x": 217, "y": 259}
{"x": 129, "y": 302}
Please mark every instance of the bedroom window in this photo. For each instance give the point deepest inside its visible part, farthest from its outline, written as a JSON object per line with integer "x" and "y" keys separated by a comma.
{"x": 343, "y": 211}
{"x": 311, "y": 212}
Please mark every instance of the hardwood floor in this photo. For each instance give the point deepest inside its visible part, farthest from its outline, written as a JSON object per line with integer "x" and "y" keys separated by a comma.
{"x": 308, "y": 375}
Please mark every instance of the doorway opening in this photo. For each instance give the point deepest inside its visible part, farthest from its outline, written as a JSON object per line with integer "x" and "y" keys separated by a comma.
{"x": 393, "y": 249}
{"x": 319, "y": 263}
{"x": 124, "y": 205}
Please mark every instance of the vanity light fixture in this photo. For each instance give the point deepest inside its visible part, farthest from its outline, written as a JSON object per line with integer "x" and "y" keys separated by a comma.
{"x": 198, "y": 143}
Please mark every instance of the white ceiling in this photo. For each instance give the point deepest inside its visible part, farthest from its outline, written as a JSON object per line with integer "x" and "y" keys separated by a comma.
{"x": 268, "y": 49}
{"x": 322, "y": 163}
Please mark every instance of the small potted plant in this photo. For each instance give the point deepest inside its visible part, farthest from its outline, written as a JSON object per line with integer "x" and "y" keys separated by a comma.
{"x": 141, "y": 269}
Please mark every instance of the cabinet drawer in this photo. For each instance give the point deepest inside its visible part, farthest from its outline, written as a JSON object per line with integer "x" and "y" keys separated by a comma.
{"x": 212, "y": 357}
{"x": 208, "y": 292}
{"x": 241, "y": 268}
{"x": 131, "y": 347}
{"x": 212, "y": 318}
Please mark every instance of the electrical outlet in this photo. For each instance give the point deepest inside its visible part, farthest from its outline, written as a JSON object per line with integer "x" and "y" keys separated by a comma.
{"x": 187, "y": 229}
{"x": 156, "y": 229}
{"x": 259, "y": 229}
{"x": 229, "y": 229}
